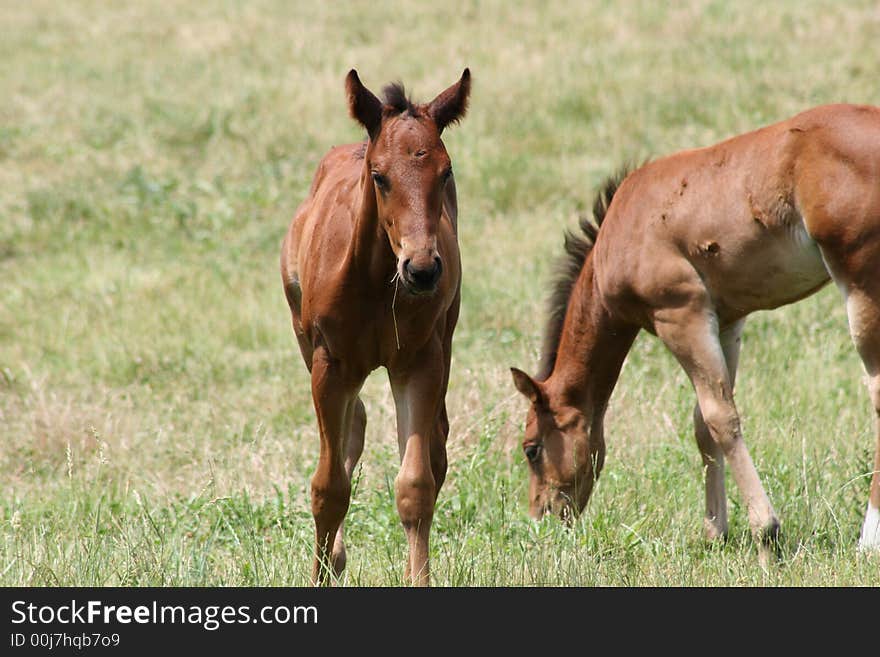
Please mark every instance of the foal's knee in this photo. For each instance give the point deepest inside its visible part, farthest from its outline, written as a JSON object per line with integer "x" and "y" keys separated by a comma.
{"x": 723, "y": 424}
{"x": 415, "y": 497}
{"x": 330, "y": 498}
{"x": 705, "y": 442}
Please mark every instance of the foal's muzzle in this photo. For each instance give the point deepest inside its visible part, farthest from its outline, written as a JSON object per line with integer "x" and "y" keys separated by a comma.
{"x": 558, "y": 503}
{"x": 422, "y": 277}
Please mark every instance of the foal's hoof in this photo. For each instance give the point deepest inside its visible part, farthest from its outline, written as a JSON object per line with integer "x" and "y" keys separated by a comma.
{"x": 869, "y": 541}
{"x": 769, "y": 549}
{"x": 327, "y": 570}
{"x": 338, "y": 560}
{"x": 713, "y": 531}
{"x": 768, "y": 556}
{"x": 870, "y": 547}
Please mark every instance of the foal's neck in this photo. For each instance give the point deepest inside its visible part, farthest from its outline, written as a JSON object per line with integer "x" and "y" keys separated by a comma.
{"x": 592, "y": 348}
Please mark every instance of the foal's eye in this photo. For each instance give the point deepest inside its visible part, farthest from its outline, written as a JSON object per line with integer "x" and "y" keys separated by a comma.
{"x": 381, "y": 181}
{"x": 533, "y": 452}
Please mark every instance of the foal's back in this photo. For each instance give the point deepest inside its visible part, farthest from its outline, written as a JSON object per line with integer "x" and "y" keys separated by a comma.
{"x": 322, "y": 235}
{"x": 755, "y": 221}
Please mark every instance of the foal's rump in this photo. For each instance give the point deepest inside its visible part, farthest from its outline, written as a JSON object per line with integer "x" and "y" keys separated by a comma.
{"x": 837, "y": 182}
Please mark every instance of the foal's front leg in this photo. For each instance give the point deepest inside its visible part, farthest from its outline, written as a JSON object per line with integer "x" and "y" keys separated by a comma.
{"x": 715, "y": 519}
{"x": 418, "y": 393}
{"x": 335, "y": 403}
{"x": 691, "y": 334}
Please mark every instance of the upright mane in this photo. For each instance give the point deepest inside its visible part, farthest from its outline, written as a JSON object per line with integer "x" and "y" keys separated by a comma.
{"x": 397, "y": 102}
{"x": 577, "y": 247}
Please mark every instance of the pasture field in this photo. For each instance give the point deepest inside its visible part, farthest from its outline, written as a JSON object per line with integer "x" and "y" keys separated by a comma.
{"x": 156, "y": 425}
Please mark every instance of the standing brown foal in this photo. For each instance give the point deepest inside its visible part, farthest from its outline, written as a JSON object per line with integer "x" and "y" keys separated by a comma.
{"x": 690, "y": 245}
{"x": 372, "y": 274}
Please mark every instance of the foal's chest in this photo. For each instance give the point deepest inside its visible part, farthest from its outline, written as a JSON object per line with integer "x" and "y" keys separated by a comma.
{"x": 369, "y": 332}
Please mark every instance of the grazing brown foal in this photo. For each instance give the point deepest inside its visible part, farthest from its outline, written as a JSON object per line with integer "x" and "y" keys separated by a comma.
{"x": 372, "y": 274}
{"x": 689, "y": 246}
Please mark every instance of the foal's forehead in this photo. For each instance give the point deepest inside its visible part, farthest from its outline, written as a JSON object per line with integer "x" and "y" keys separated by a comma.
{"x": 408, "y": 135}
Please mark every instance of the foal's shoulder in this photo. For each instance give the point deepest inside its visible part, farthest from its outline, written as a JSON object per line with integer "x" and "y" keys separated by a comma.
{"x": 339, "y": 162}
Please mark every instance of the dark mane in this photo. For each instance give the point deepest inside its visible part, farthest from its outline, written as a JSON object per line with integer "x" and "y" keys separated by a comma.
{"x": 577, "y": 247}
{"x": 397, "y": 102}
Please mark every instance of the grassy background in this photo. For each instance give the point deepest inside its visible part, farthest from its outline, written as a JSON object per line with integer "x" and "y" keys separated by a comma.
{"x": 156, "y": 425}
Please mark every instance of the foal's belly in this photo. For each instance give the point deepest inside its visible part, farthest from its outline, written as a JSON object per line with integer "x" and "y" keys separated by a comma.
{"x": 772, "y": 269}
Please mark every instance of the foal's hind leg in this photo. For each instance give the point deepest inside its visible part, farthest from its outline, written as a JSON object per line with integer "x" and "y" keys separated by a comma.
{"x": 863, "y": 312}
{"x": 441, "y": 433}
{"x": 691, "y": 334}
{"x": 857, "y": 274}
{"x": 715, "y": 520}
{"x": 438, "y": 450}
{"x": 353, "y": 449}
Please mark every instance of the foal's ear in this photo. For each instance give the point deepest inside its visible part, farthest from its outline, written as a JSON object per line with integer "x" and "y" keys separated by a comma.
{"x": 363, "y": 106}
{"x": 451, "y": 105}
{"x": 527, "y": 386}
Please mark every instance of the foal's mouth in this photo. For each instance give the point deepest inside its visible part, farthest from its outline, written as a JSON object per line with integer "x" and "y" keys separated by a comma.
{"x": 420, "y": 275}
{"x": 416, "y": 291}
{"x": 419, "y": 285}
{"x": 402, "y": 286}
{"x": 562, "y": 506}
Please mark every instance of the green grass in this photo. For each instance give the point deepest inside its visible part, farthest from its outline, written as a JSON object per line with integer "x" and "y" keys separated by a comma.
{"x": 156, "y": 425}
